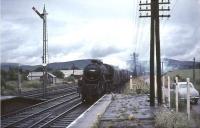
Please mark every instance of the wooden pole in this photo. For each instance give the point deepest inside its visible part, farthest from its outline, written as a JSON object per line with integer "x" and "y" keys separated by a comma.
{"x": 19, "y": 80}
{"x": 158, "y": 67}
{"x": 163, "y": 89}
{"x": 168, "y": 90}
{"x": 152, "y": 89}
{"x": 131, "y": 82}
{"x": 194, "y": 71}
{"x": 154, "y": 41}
{"x": 177, "y": 94}
{"x": 188, "y": 98}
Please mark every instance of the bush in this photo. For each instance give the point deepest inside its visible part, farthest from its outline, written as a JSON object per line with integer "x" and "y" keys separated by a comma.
{"x": 181, "y": 104}
{"x": 10, "y": 88}
{"x": 58, "y": 74}
{"x": 32, "y": 84}
{"x": 70, "y": 78}
{"x": 171, "y": 119}
{"x": 197, "y": 86}
{"x": 11, "y": 85}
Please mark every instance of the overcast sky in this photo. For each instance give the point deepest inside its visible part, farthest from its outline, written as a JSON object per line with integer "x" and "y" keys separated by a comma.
{"x": 105, "y": 29}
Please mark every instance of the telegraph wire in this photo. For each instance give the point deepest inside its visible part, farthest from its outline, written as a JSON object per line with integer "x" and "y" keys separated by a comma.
{"x": 164, "y": 23}
{"x": 137, "y": 23}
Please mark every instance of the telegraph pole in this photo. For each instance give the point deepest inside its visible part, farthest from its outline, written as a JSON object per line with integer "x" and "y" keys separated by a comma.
{"x": 73, "y": 68}
{"x": 135, "y": 57}
{"x": 153, "y": 8}
{"x": 194, "y": 64}
{"x": 19, "y": 80}
{"x": 135, "y": 67}
{"x": 162, "y": 71}
{"x": 43, "y": 16}
{"x": 140, "y": 69}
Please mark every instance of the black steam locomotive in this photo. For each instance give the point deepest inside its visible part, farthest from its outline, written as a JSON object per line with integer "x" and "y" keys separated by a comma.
{"x": 99, "y": 78}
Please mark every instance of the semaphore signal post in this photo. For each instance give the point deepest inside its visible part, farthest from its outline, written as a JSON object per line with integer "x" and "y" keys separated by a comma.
{"x": 152, "y": 10}
{"x": 43, "y": 16}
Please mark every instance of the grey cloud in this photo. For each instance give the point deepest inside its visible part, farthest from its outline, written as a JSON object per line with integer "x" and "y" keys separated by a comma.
{"x": 182, "y": 42}
{"x": 98, "y": 52}
{"x": 16, "y": 43}
{"x": 10, "y": 45}
{"x": 64, "y": 49}
{"x": 189, "y": 14}
{"x": 16, "y": 50}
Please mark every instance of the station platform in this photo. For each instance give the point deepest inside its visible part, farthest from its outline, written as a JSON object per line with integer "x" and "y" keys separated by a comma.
{"x": 6, "y": 97}
{"x": 118, "y": 111}
{"x": 92, "y": 115}
{"x": 131, "y": 111}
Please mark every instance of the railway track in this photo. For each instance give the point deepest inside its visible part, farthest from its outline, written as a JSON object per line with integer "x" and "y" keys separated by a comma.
{"x": 42, "y": 114}
{"x": 63, "y": 119}
{"x": 51, "y": 92}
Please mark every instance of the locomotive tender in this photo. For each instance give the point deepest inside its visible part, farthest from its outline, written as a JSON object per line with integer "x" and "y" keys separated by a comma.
{"x": 99, "y": 78}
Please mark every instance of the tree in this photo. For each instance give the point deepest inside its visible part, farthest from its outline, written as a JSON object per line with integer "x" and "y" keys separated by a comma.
{"x": 74, "y": 67}
{"x": 3, "y": 78}
{"x": 39, "y": 69}
{"x": 58, "y": 74}
{"x": 12, "y": 73}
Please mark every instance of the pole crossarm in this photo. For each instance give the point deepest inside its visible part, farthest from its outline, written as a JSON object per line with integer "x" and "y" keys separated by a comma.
{"x": 148, "y": 9}
{"x": 161, "y": 9}
{"x": 146, "y": 16}
{"x": 148, "y": 3}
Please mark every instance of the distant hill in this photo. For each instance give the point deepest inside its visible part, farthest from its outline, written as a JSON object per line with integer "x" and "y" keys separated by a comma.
{"x": 80, "y": 64}
{"x": 169, "y": 64}
{"x": 186, "y": 73}
{"x": 68, "y": 65}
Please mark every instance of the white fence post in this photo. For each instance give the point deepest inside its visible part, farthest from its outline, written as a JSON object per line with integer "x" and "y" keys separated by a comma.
{"x": 188, "y": 98}
{"x": 131, "y": 82}
{"x": 163, "y": 88}
{"x": 168, "y": 90}
{"x": 177, "y": 94}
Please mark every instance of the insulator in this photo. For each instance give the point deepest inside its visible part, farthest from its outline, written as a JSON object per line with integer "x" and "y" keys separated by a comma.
{"x": 146, "y": 1}
{"x": 147, "y": 14}
{"x": 140, "y": 14}
{"x": 146, "y": 7}
{"x": 140, "y": 2}
{"x": 168, "y": 7}
{"x": 140, "y": 8}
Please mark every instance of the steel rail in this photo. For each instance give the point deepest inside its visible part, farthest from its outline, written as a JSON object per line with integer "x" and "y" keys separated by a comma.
{"x": 55, "y": 118}
{"x": 30, "y": 107}
{"x": 39, "y": 112}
